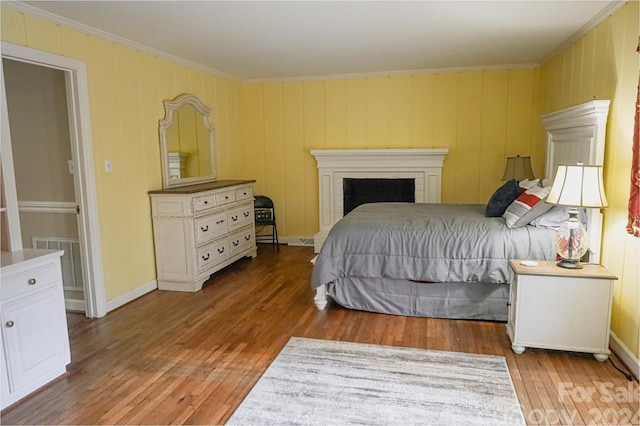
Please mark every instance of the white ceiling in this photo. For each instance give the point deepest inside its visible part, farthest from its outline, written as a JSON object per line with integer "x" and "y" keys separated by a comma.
{"x": 304, "y": 39}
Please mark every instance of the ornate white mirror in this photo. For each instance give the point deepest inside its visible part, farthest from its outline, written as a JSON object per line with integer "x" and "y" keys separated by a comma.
{"x": 187, "y": 143}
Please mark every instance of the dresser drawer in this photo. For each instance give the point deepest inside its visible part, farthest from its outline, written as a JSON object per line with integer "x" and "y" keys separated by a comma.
{"x": 212, "y": 254}
{"x": 29, "y": 281}
{"x": 204, "y": 202}
{"x": 210, "y": 226}
{"x": 241, "y": 240}
{"x": 244, "y": 193}
{"x": 240, "y": 216}
{"x": 225, "y": 197}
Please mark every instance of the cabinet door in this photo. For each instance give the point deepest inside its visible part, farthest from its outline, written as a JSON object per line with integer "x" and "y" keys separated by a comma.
{"x": 34, "y": 330}
{"x": 569, "y": 313}
{"x": 4, "y": 379}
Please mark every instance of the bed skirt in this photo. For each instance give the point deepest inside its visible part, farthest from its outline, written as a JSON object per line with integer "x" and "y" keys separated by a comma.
{"x": 478, "y": 301}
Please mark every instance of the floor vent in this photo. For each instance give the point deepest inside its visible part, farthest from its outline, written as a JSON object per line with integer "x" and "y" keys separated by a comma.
{"x": 297, "y": 241}
{"x": 71, "y": 261}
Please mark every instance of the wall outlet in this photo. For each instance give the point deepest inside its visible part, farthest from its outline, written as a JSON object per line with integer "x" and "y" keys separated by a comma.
{"x": 107, "y": 166}
{"x": 72, "y": 169}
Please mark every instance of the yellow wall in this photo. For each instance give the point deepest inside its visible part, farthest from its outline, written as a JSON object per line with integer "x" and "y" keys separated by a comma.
{"x": 480, "y": 116}
{"x": 604, "y": 65}
{"x": 126, "y": 90}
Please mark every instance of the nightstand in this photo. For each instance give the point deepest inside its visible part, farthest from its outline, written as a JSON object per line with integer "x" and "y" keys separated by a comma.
{"x": 557, "y": 308}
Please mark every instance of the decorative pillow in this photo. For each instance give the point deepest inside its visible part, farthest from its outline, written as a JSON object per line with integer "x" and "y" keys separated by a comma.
{"x": 529, "y": 205}
{"x": 502, "y": 198}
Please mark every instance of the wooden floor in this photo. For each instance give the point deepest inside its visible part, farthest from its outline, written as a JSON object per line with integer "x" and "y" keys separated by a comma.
{"x": 190, "y": 358}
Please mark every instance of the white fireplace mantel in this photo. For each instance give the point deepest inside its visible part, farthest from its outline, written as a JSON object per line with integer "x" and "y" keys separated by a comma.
{"x": 334, "y": 165}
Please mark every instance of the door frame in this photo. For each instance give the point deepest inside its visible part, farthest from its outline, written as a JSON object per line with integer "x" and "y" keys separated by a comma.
{"x": 75, "y": 72}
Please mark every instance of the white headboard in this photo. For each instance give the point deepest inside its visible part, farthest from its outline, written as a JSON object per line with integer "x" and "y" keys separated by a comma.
{"x": 577, "y": 134}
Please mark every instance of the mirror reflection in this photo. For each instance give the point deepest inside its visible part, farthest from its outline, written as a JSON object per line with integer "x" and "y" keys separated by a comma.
{"x": 187, "y": 142}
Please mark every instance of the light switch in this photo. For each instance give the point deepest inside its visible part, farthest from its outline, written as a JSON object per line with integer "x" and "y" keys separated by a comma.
{"x": 107, "y": 166}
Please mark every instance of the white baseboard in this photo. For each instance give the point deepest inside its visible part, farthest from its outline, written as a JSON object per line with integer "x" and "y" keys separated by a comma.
{"x": 75, "y": 305}
{"x": 132, "y": 295}
{"x": 626, "y": 356}
{"x": 298, "y": 241}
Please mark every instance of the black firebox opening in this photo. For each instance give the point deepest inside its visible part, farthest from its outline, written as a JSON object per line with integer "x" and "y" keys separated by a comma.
{"x": 362, "y": 191}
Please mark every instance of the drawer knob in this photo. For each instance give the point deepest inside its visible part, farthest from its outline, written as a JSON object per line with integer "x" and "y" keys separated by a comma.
{"x": 246, "y": 214}
{"x": 234, "y": 218}
{"x": 247, "y": 237}
{"x": 206, "y": 257}
{"x": 32, "y": 281}
{"x": 10, "y": 324}
{"x": 204, "y": 228}
{"x": 221, "y": 250}
{"x": 236, "y": 243}
{"x": 218, "y": 222}
{"x": 205, "y": 202}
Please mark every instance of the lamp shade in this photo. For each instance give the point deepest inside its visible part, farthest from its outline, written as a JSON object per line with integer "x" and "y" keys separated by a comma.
{"x": 518, "y": 168}
{"x": 578, "y": 186}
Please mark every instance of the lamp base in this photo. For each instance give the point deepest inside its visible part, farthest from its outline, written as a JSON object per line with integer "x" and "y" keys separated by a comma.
{"x": 570, "y": 264}
{"x": 571, "y": 242}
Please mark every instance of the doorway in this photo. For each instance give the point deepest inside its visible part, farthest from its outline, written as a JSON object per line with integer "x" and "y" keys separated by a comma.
{"x": 52, "y": 186}
{"x": 43, "y": 167}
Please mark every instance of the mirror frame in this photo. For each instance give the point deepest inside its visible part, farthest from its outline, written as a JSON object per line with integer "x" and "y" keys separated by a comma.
{"x": 170, "y": 106}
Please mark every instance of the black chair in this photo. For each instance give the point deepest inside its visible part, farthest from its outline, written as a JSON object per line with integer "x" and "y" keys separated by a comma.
{"x": 265, "y": 215}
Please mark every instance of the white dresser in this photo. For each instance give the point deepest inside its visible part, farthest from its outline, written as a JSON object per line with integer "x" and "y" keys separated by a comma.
{"x": 35, "y": 339}
{"x": 200, "y": 229}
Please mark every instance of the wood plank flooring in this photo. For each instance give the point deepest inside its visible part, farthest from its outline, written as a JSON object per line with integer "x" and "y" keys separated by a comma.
{"x": 190, "y": 358}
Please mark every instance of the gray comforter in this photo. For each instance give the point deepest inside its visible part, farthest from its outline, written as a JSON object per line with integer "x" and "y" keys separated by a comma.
{"x": 427, "y": 242}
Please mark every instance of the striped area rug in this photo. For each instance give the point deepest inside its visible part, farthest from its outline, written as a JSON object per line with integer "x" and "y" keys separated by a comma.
{"x": 338, "y": 383}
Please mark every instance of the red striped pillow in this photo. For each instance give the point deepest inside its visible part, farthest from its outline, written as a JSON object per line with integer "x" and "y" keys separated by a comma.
{"x": 527, "y": 206}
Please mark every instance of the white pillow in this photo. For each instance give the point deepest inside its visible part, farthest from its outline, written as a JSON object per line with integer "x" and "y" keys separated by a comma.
{"x": 556, "y": 216}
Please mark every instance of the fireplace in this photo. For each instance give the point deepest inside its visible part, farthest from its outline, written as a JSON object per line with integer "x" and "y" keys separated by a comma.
{"x": 422, "y": 166}
{"x": 375, "y": 190}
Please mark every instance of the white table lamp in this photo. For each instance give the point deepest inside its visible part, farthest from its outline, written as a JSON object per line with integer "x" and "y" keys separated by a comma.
{"x": 575, "y": 186}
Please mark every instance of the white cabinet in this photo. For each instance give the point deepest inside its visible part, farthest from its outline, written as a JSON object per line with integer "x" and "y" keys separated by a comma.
{"x": 556, "y": 308}
{"x": 35, "y": 339}
{"x": 200, "y": 229}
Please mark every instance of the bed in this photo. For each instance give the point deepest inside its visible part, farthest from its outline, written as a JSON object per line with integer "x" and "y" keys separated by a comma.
{"x": 426, "y": 259}
{"x": 450, "y": 261}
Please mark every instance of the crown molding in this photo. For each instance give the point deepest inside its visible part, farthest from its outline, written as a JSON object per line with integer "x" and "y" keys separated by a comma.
{"x": 395, "y": 73}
